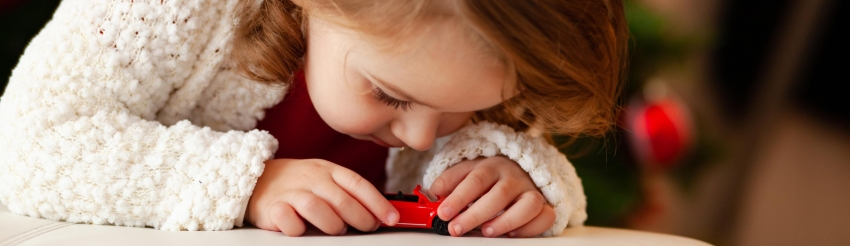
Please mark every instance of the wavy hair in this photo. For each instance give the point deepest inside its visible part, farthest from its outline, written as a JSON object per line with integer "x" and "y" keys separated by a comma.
{"x": 568, "y": 57}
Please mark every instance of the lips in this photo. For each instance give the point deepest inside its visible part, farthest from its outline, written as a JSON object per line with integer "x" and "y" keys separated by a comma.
{"x": 380, "y": 142}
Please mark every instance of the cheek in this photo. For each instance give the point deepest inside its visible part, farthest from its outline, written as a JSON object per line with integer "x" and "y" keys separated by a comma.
{"x": 339, "y": 97}
{"x": 357, "y": 119}
{"x": 345, "y": 110}
{"x": 451, "y": 122}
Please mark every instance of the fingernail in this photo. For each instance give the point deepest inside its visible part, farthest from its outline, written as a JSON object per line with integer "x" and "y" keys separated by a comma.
{"x": 488, "y": 232}
{"x": 392, "y": 218}
{"x": 458, "y": 230}
{"x": 512, "y": 234}
{"x": 447, "y": 211}
{"x": 344, "y": 230}
{"x": 378, "y": 225}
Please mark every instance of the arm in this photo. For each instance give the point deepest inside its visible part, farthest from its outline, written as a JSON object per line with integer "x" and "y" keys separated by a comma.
{"x": 551, "y": 172}
{"x": 80, "y": 140}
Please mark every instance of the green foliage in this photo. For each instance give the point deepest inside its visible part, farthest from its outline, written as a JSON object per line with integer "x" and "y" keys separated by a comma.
{"x": 610, "y": 174}
{"x": 651, "y": 45}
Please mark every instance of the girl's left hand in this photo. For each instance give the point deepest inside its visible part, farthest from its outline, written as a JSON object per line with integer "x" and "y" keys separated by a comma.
{"x": 495, "y": 184}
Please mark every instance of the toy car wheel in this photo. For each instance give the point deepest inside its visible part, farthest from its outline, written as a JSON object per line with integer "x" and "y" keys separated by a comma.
{"x": 440, "y": 226}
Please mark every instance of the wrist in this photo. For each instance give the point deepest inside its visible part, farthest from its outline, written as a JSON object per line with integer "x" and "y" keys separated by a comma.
{"x": 254, "y": 202}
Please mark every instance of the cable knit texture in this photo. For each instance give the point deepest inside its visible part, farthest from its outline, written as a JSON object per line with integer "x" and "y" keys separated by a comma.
{"x": 96, "y": 125}
{"x": 549, "y": 169}
{"x": 128, "y": 113}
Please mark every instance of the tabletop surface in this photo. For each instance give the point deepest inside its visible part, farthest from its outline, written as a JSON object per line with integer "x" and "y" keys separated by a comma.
{"x": 22, "y": 230}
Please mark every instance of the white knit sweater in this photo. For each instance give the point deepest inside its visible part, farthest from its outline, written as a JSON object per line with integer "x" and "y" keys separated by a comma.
{"x": 128, "y": 113}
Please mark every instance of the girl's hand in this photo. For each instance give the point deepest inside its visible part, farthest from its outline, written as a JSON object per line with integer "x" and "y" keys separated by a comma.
{"x": 325, "y": 194}
{"x": 498, "y": 184}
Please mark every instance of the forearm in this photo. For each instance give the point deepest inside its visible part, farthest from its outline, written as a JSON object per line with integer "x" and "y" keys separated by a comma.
{"x": 140, "y": 174}
{"x": 549, "y": 169}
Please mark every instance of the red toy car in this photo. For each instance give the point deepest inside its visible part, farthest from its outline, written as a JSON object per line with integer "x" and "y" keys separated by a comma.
{"x": 418, "y": 210}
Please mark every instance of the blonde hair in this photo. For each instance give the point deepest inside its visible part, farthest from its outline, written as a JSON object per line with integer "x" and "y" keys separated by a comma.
{"x": 568, "y": 57}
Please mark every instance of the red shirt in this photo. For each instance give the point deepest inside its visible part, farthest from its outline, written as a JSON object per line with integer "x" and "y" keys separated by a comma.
{"x": 304, "y": 135}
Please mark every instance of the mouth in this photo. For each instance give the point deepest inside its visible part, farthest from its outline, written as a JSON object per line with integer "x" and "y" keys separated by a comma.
{"x": 380, "y": 142}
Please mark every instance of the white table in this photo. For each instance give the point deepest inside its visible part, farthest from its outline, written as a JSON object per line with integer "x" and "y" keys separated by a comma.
{"x": 22, "y": 230}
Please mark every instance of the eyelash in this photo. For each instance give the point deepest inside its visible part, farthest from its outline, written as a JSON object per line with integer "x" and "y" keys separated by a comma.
{"x": 390, "y": 101}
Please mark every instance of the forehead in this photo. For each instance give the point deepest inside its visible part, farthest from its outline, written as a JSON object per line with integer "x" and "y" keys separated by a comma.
{"x": 443, "y": 64}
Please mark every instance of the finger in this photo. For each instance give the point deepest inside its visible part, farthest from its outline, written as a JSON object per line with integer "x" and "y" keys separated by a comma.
{"x": 315, "y": 210}
{"x": 487, "y": 207}
{"x": 472, "y": 187}
{"x": 349, "y": 209}
{"x": 366, "y": 194}
{"x": 544, "y": 220}
{"x": 526, "y": 208}
{"x": 451, "y": 177}
{"x": 286, "y": 220}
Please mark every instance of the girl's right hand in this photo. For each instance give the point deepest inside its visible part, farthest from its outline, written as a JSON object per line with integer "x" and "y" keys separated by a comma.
{"x": 327, "y": 195}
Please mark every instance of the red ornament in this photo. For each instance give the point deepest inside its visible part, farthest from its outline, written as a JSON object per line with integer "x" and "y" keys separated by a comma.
{"x": 659, "y": 130}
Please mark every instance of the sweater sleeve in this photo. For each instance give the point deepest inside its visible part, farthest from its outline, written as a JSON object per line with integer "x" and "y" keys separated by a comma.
{"x": 548, "y": 168}
{"x": 78, "y": 121}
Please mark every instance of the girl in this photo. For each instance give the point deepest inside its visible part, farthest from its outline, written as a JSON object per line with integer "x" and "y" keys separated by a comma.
{"x": 144, "y": 113}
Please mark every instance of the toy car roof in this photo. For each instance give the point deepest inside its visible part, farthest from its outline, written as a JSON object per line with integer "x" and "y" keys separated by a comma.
{"x": 417, "y": 194}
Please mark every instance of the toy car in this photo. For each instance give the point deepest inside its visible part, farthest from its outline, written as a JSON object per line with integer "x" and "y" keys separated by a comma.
{"x": 418, "y": 210}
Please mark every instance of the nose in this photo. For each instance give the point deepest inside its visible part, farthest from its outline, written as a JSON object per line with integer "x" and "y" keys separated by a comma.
{"x": 417, "y": 129}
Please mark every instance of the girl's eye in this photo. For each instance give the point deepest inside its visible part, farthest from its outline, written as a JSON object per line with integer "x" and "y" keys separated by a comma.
{"x": 390, "y": 101}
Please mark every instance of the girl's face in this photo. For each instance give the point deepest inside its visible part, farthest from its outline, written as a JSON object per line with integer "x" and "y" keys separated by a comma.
{"x": 422, "y": 87}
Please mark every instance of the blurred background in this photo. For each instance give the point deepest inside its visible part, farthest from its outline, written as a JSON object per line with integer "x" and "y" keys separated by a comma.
{"x": 734, "y": 129}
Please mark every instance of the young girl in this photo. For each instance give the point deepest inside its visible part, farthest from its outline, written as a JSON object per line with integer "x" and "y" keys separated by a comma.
{"x": 145, "y": 113}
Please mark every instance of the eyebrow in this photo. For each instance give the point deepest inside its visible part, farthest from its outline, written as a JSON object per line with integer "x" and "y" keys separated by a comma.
{"x": 394, "y": 90}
